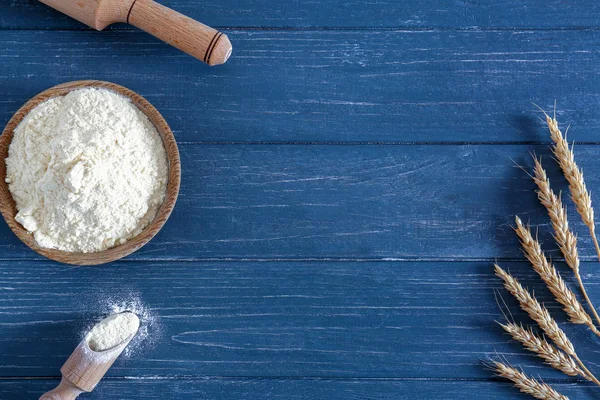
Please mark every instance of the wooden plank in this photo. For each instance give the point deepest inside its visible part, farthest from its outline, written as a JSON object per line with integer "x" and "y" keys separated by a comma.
{"x": 350, "y": 14}
{"x": 284, "y": 389}
{"x": 359, "y": 202}
{"x": 332, "y": 86}
{"x": 294, "y": 319}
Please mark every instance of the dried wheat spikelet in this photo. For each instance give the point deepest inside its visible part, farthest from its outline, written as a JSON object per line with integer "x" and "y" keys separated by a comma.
{"x": 526, "y": 384}
{"x": 561, "y": 354}
{"x": 549, "y": 274}
{"x": 566, "y": 240}
{"x": 540, "y": 346}
{"x": 579, "y": 193}
{"x": 536, "y": 311}
{"x": 542, "y": 317}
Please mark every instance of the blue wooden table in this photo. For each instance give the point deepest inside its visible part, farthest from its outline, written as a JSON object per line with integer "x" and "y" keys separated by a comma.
{"x": 347, "y": 183}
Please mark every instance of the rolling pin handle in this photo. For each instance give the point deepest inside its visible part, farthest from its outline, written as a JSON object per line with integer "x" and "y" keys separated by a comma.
{"x": 190, "y": 36}
{"x": 64, "y": 391}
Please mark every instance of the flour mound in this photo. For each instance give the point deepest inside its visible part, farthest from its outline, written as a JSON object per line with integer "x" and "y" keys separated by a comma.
{"x": 87, "y": 171}
{"x": 112, "y": 331}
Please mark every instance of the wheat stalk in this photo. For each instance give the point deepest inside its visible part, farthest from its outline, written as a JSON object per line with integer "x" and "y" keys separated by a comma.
{"x": 566, "y": 240}
{"x": 553, "y": 356}
{"x": 526, "y": 384}
{"x": 563, "y": 356}
{"x": 549, "y": 274}
{"x": 579, "y": 193}
{"x": 542, "y": 317}
{"x": 536, "y": 311}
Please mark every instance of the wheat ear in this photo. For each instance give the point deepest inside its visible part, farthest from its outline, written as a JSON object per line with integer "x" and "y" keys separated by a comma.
{"x": 549, "y": 274}
{"x": 536, "y": 311}
{"x": 526, "y": 384}
{"x": 540, "y": 346}
{"x": 566, "y": 240}
{"x": 579, "y": 193}
{"x": 542, "y": 317}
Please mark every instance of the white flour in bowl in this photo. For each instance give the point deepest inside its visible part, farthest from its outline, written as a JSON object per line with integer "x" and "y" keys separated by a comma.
{"x": 87, "y": 171}
{"x": 112, "y": 331}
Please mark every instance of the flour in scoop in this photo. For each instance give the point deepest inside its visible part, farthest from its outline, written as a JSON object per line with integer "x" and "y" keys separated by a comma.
{"x": 113, "y": 331}
{"x": 88, "y": 171}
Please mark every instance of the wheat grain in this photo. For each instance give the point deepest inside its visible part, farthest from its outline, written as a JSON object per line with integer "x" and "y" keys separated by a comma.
{"x": 549, "y": 274}
{"x": 536, "y": 311}
{"x": 553, "y": 356}
{"x": 566, "y": 240}
{"x": 526, "y": 384}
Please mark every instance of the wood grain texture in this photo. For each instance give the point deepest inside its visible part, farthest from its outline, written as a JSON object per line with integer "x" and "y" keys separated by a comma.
{"x": 332, "y": 86}
{"x": 64, "y": 391}
{"x": 96, "y": 14}
{"x": 355, "y": 158}
{"x": 409, "y": 320}
{"x": 290, "y": 389}
{"x": 8, "y": 207}
{"x": 344, "y": 14}
{"x": 188, "y": 35}
{"x": 84, "y": 368}
{"x": 354, "y": 202}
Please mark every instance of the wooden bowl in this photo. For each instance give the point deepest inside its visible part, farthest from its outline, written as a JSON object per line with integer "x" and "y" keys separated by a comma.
{"x": 9, "y": 209}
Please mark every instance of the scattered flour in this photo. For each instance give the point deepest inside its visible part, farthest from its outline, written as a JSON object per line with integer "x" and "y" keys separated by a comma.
{"x": 113, "y": 331}
{"x": 88, "y": 171}
{"x": 148, "y": 334}
{"x": 150, "y": 329}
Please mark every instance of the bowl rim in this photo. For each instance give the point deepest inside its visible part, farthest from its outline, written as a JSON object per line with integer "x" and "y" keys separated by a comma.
{"x": 7, "y": 204}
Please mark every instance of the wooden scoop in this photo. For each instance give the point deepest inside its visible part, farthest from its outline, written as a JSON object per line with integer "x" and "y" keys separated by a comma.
{"x": 196, "y": 39}
{"x": 84, "y": 369}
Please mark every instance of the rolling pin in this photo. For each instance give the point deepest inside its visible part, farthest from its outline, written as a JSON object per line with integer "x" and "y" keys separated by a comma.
{"x": 84, "y": 369}
{"x": 192, "y": 37}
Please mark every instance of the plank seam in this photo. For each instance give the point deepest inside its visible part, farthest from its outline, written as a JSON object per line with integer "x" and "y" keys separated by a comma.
{"x": 398, "y": 29}
{"x": 296, "y": 378}
{"x": 371, "y": 143}
{"x": 325, "y": 259}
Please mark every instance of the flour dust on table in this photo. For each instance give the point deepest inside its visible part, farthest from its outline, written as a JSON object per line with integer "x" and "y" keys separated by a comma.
{"x": 113, "y": 331}
{"x": 148, "y": 330}
{"x": 88, "y": 171}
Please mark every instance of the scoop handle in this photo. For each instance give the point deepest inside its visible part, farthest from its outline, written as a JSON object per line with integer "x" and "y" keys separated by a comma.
{"x": 188, "y": 35}
{"x": 64, "y": 391}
